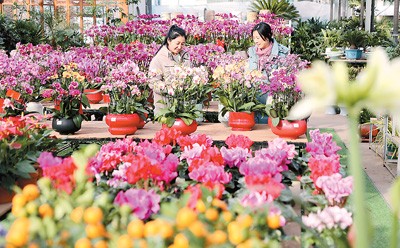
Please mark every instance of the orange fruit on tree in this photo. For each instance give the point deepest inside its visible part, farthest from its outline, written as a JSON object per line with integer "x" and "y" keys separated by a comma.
{"x": 95, "y": 230}
{"x": 45, "y": 210}
{"x": 101, "y": 244}
{"x": 83, "y": 243}
{"x": 19, "y": 200}
{"x": 166, "y": 229}
{"x": 217, "y": 237}
{"x": 235, "y": 233}
{"x": 180, "y": 241}
{"x": 185, "y": 217}
{"x": 274, "y": 221}
{"x": 31, "y": 192}
{"x": 136, "y": 229}
{"x": 19, "y": 232}
{"x": 93, "y": 215}
{"x": 151, "y": 228}
{"x": 227, "y": 216}
{"x": 212, "y": 214}
{"x": 198, "y": 229}
{"x": 245, "y": 220}
{"x": 200, "y": 206}
{"x": 219, "y": 204}
{"x": 124, "y": 241}
{"x": 77, "y": 214}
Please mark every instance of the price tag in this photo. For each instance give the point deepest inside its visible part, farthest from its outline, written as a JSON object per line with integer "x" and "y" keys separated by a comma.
{"x": 59, "y": 122}
{"x": 296, "y": 125}
{"x": 113, "y": 119}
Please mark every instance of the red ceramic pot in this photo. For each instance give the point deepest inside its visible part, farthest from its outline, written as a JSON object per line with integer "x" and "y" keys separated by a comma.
{"x": 106, "y": 98}
{"x": 142, "y": 122}
{"x": 94, "y": 96}
{"x": 122, "y": 124}
{"x": 179, "y": 125}
{"x": 241, "y": 121}
{"x": 289, "y": 129}
{"x": 1, "y": 105}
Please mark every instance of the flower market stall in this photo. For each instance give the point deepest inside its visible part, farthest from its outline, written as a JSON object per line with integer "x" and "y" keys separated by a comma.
{"x": 152, "y": 184}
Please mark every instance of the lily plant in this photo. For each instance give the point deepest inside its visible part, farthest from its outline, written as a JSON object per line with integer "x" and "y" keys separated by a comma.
{"x": 377, "y": 88}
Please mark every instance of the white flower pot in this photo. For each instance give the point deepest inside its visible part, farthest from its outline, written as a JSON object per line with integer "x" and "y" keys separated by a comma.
{"x": 225, "y": 118}
{"x": 330, "y": 110}
{"x": 34, "y": 107}
{"x": 343, "y": 111}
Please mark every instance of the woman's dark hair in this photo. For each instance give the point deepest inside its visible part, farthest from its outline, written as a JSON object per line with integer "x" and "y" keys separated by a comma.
{"x": 173, "y": 32}
{"x": 264, "y": 30}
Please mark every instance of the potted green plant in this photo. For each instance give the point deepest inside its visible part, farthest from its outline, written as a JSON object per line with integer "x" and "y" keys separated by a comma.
{"x": 354, "y": 40}
{"x": 332, "y": 41}
{"x": 22, "y": 140}
{"x": 128, "y": 89}
{"x": 367, "y": 126}
{"x": 282, "y": 87}
{"x": 67, "y": 92}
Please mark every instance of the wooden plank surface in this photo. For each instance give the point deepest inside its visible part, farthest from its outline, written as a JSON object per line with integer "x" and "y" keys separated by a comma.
{"x": 217, "y": 131}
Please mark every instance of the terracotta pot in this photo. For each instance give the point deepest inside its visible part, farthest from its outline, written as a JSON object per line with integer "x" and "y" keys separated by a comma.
{"x": 64, "y": 126}
{"x": 179, "y": 125}
{"x": 94, "y": 96}
{"x": 365, "y": 130}
{"x": 241, "y": 121}
{"x": 106, "y": 98}
{"x": 1, "y": 105}
{"x": 22, "y": 182}
{"x": 122, "y": 124}
{"x": 289, "y": 129}
{"x": 6, "y": 195}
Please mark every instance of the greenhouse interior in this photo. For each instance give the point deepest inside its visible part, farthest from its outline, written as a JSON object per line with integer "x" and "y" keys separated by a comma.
{"x": 202, "y": 123}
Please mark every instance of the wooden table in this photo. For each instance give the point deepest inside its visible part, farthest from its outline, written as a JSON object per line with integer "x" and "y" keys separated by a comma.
{"x": 217, "y": 131}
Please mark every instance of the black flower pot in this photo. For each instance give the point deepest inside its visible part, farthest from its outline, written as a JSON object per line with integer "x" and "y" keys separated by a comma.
{"x": 64, "y": 126}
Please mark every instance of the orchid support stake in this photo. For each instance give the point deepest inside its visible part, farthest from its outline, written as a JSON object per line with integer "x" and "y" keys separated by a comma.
{"x": 360, "y": 211}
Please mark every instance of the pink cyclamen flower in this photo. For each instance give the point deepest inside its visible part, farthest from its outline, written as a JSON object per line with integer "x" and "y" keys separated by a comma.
{"x": 335, "y": 188}
{"x": 329, "y": 218}
{"x": 143, "y": 203}
{"x": 235, "y": 156}
{"x": 322, "y": 144}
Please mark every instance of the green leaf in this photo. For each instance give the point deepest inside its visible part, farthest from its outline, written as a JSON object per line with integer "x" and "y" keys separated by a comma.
{"x": 275, "y": 121}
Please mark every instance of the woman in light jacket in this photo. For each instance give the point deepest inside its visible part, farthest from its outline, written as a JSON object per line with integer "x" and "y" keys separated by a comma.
{"x": 265, "y": 47}
{"x": 168, "y": 55}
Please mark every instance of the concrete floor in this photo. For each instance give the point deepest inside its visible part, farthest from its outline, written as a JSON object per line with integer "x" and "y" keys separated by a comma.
{"x": 371, "y": 161}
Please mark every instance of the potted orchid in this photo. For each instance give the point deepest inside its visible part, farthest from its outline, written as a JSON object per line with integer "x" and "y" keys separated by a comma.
{"x": 238, "y": 90}
{"x": 283, "y": 89}
{"x": 128, "y": 90}
{"x": 181, "y": 91}
{"x": 67, "y": 92}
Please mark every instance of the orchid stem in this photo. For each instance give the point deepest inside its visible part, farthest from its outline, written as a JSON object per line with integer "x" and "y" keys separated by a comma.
{"x": 360, "y": 210}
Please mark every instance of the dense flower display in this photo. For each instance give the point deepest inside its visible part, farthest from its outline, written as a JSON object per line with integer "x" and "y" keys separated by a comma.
{"x": 182, "y": 88}
{"x": 281, "y": 84}
{"x": 175, "y": 189}
{"x": 238, "y": 87}
{"x": 22, "y": 139}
